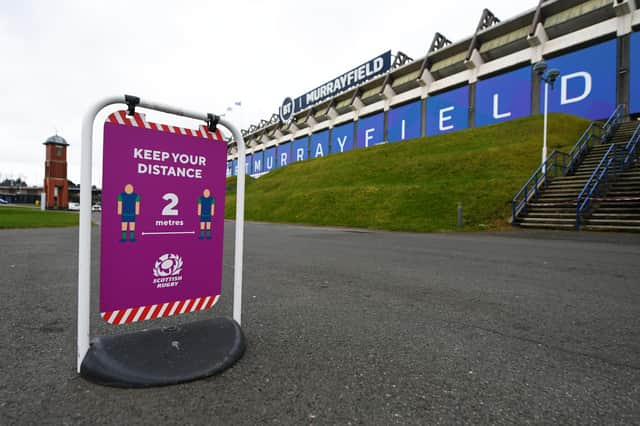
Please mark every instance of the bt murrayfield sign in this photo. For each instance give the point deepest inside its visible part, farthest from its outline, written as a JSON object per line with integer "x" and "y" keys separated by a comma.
{"x": 370, "y": 69}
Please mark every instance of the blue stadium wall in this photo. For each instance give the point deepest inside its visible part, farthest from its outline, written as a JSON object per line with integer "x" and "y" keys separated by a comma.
{"x": 587, "y": 87}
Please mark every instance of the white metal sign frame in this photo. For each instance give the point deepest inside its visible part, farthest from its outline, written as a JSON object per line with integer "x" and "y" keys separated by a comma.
{"x": 84, "y": 245}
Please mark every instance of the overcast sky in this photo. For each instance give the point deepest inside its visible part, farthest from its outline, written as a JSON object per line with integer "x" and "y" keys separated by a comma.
{"x": 60, "y": 57}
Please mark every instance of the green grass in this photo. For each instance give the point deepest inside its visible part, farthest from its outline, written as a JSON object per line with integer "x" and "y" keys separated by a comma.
{"x": 412, "y": 185}
{"x": 30, "y": 217}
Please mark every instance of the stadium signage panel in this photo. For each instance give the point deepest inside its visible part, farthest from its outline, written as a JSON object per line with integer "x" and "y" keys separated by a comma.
{"x": 371, "y": 130}
{"x": 586, "y": 87}
{"x": 163, "y": 220}
{"x": 370, "y": 69}
{"x": 258, "y": 161}
{"x": 634, "y": 101}
{"x": 404, "y": 122}
{"x": 284, "y": 154}
{"x": 319, "y": 144}
{"x": 300, "y": 149}
{"x": 448, "y": 111}
{"x": 342, "y": 138}
{"x": 270, "y": 162}
{"x": 503, "y": 97}
{"x": 248, "y": 164}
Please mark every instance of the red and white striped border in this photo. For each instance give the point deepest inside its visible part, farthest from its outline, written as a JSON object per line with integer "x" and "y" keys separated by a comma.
{"x": 143, "y": 313}
{"x": 139, "y": 120}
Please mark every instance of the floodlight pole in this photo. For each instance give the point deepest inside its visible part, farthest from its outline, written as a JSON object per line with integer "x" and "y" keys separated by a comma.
{"x": 84, "y": 244}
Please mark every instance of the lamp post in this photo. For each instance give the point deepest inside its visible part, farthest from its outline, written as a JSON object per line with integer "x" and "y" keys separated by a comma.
{"x": 549, "y": 79}
{"x": 232, "y": 112}
{"x": 236, "y": 107}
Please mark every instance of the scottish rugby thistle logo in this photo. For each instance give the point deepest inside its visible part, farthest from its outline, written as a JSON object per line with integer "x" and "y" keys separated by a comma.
{"x": 168, "y": 264}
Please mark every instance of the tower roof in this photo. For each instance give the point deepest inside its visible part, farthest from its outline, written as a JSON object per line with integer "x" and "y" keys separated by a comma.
{"x": 56, "y": 140}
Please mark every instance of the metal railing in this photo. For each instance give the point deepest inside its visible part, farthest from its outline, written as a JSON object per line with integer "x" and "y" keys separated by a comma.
{"x": 612, "y": 123}
{"x": 595, "y": 134}
{"x": 555, "y": 165}
{"x": 611, "y": 164}
{"x": 589, "y": 138}
{"x": 631, "y": 149}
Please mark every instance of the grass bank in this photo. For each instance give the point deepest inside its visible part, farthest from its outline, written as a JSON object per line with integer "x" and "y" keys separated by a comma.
{"x": 30, "y": 217}
{"x": 412, "y": 185}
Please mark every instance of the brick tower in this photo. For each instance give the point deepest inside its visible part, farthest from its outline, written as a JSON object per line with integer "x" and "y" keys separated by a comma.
{"x": 56, "y": 186}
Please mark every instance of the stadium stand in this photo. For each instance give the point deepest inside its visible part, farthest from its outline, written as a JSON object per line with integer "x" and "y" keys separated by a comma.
{"x": 552, "y": 28}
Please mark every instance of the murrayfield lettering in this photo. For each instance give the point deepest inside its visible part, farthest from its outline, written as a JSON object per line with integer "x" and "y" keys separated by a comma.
{"x": 370, "y": 69}
{"x": 362, "y": 73}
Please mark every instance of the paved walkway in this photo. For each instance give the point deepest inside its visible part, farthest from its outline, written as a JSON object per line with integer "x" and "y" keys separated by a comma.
{"x": 346, "y": 326}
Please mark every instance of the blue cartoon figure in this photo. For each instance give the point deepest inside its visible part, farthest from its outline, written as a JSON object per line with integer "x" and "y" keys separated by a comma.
{"x": 128, "y": 209}
{"x": 206, "y": 209}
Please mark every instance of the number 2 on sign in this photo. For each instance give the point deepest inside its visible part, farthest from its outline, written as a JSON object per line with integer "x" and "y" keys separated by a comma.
{"x": 169, "y": 209}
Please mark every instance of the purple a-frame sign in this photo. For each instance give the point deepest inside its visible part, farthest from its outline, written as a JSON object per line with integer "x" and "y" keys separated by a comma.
{"x": 162, "y": 219}
{"x": 161, "y": 247}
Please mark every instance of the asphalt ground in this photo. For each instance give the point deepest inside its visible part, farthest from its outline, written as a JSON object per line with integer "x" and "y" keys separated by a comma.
{"x": 353, "y": 327}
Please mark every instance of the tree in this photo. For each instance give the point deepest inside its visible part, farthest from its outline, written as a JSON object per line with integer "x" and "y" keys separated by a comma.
{"x": 13, "y": 182}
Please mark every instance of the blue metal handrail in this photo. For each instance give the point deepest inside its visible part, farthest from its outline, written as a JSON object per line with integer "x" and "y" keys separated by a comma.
{"x": 595, "y": 133}
{"x": 592, "y": 135}
{"x": 554, "y": 165}
{"x": 611, "y": 163}
{"x": 631, "y": 149}
{"x": 612, "y": 123}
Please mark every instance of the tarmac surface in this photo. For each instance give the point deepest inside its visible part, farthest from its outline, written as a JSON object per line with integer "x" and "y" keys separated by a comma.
{"x": 356, "y": 327}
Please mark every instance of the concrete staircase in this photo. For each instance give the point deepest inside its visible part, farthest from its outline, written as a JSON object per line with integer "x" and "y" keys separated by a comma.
{"x": 555, "y": 208}
{"x": 619, "y": 209}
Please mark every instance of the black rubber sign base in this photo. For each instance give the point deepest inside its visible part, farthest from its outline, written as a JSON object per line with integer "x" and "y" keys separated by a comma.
{"x": 164, "y": 356}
